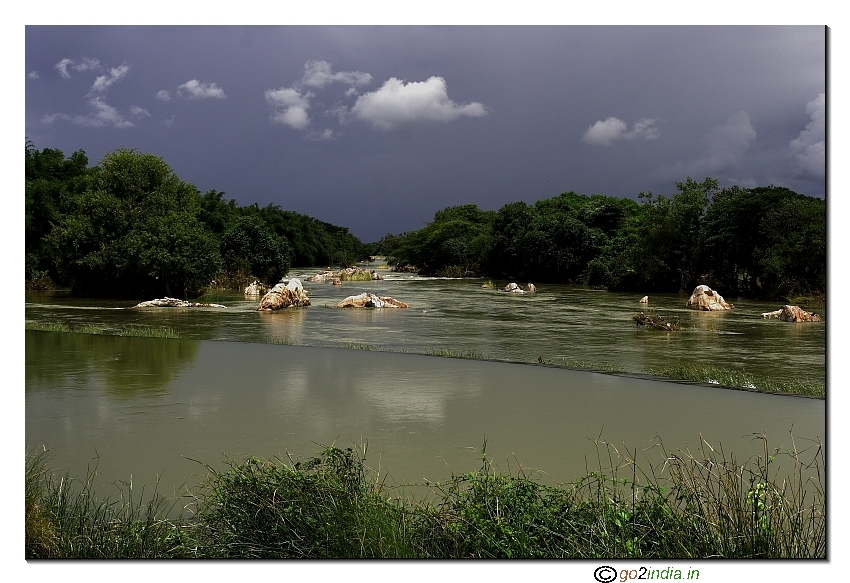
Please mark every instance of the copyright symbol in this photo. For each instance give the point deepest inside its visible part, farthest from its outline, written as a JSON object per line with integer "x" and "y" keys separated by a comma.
{"x": 605, "y": 574}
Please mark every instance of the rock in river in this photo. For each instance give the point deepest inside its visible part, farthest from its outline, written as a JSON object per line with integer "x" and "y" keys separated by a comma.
{"x": 256, "y": 288}
{"x": 705, "y": 298}
{"x": 793, "y": 314}
{"x": 283, "y": 296}
{"x": 370, "y": 301}
{"x": 175, "y": 303}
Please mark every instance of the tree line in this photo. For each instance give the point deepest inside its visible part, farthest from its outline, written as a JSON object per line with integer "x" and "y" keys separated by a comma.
{"x": 766, "y": 242}
{"x": 130, "y": 227}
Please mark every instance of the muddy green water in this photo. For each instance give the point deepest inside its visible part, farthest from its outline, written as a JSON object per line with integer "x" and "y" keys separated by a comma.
{"x": 147, "y": 407}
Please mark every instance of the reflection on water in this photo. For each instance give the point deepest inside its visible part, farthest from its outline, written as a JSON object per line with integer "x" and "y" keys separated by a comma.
{"x": 422, "y": 416}
{"x": 123, "y": 366}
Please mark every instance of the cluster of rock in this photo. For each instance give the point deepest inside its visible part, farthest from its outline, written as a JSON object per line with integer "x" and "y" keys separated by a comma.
{"x": 656, "y": 322}
{"x": 285, "y": 296}
{"x": 371, "y": 301}
{"x": 705, "y": 298}
{"x": 256, "y": 288}
{"x": 793, "y": 314}
{"x": 518, "y": 289}
{"x": 175, "y": 303}
{"x": 357, "y": 273}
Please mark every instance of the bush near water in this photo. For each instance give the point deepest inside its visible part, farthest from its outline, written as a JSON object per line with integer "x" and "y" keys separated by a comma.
{"x": 707, "y": 505}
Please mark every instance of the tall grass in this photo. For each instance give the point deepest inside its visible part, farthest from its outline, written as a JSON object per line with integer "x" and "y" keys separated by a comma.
{"x": 701, "y": 505}
{"x": 65, "y": 519}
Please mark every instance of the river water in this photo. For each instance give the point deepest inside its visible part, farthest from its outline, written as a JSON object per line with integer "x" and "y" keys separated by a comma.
{"x": 148, "y": 407}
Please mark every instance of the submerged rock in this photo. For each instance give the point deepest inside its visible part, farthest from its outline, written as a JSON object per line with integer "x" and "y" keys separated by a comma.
{"x": 371, "y": 301}
{"x": 793, "y": 314}
{"x": 174, "y": 303}
{"x": 644, "y": 300}
{"x": 705, "y": 298}
{"x": 656, "y": 322}
{"x": 284, "y": 296}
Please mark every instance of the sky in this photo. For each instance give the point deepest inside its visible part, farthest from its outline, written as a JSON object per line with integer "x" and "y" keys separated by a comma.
{"x": 376, "y": 128}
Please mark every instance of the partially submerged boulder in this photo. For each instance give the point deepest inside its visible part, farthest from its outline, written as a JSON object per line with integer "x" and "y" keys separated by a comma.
{"x": 371, "y": 301}
{"x": 531, "y": 288}
{"x": 323, "y": 276}
{"x": 256, "y": 288}
{"x": 793, "y": 314}
{"x": 175, "y": 303}
{"x": 705, "y": 298}
{"x": 514, "y": 289}
{"x": 644, "y": 300}
{"x": 284, "y": 296}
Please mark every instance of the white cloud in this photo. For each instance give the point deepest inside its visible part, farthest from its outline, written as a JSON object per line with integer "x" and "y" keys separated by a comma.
{"x": 195, "y": 89}
{"x": 163, "y": 95}
{"x": 139, "y": 112}
{"x": 289, "y": 107}
{"x": 604, "y": 133}
{"x": 114, "y": 75}
{"x": 318, "y": 74}
{"x": 103, "y": 115}
{"x": 170, "y": 121}
{"x": 34, "y": 75}
{"x": 810, "y": 147}
{"x": 86, "y": 64}
{"x": 62, "y": 67}
{"x": 322, "y": 136}
{"x": 398, "y": 103}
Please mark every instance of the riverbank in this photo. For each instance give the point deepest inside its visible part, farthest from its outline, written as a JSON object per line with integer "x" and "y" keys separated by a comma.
{"x": 333, "y": 505}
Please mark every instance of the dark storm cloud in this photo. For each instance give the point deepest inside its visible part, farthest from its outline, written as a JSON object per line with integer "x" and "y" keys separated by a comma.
{"x": 376, "y": 128}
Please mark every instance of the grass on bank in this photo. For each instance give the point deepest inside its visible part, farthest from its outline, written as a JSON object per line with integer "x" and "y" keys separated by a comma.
{"x": 66, "y": 519}
{"x": 126, "y": 330}
{"x": 737, "y": 378}
{"x": 334, "y": 506}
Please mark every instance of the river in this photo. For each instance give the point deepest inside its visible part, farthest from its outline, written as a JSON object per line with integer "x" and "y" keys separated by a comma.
{"x": 148, "y": 407}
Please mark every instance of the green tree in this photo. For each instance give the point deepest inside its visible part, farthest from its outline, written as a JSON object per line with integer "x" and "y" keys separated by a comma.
{"x": 134, "y": 232}
{"x": 250, "y": 245}
{"x": 51, "y": 181}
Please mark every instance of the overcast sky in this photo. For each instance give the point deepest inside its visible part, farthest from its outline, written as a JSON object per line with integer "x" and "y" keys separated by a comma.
{"x": 377, "y": 128}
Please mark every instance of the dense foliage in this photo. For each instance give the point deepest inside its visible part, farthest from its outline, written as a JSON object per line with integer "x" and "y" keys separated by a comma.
{"x": 130, "y": 227}
{"x": 333, "y": 506}
{"x": 761, "y": 242}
